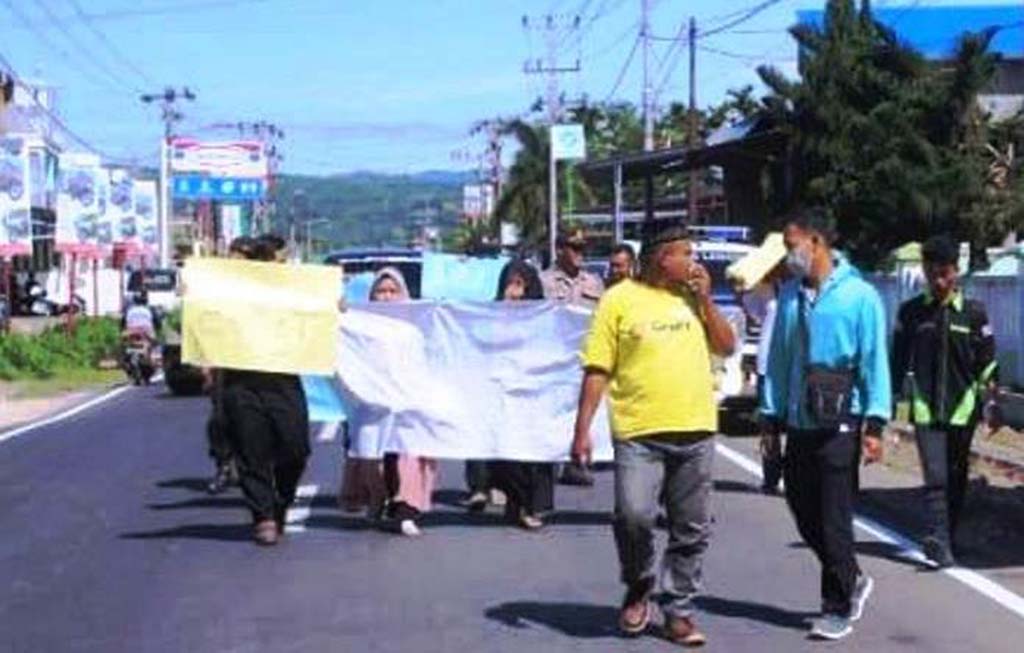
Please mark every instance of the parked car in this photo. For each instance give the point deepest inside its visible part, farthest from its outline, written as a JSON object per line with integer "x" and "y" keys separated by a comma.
{"x": 181, "y": 379}
{"x": 161, "y": 286}
{"x": 408, "y": 261}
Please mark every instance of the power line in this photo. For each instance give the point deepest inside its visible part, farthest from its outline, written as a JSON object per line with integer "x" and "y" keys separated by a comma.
{"x": 45, "y": 40}
{"x": 625, "y": 69}
{"x": 114, "y": 52}
{"x": 54, "y": 119}
{"x": 743, "y": 17}
{"x": 78, "y": 45}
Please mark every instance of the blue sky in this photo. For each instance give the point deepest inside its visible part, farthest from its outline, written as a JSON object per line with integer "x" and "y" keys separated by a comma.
{"x": 389, "y": 85}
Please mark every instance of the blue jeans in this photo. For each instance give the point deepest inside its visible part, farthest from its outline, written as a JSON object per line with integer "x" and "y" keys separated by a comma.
{"x": 680, "y": 465}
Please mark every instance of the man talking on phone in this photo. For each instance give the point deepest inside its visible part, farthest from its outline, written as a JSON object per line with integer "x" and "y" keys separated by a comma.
{"x": 650, "y": 346}
{"x": 827, "y": 383}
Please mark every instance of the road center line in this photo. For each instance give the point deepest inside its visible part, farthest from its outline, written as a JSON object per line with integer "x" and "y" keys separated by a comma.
{"x": 907, "y": 547}
{"x": 295, "y": 520}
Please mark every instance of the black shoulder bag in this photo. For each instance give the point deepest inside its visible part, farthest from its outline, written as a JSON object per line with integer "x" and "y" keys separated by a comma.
{"x": 828, "y": 391}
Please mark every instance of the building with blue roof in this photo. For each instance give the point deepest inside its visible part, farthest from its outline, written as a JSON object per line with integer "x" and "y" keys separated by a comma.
{"x": 935, "y": 30}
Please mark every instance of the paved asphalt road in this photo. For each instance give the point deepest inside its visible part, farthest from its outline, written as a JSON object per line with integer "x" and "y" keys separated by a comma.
{"x": 110, "y": 544}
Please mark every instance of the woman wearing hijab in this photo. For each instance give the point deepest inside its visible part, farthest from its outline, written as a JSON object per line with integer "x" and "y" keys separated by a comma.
{"x": 530, "y": 487}
{"x": 408, "y": 480}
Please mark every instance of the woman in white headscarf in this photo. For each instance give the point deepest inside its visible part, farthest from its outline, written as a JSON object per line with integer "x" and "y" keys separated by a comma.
{"x": 405, "y": 482}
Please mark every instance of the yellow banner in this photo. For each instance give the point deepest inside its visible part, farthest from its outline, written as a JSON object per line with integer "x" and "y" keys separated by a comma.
{"x": 268, "y": 317}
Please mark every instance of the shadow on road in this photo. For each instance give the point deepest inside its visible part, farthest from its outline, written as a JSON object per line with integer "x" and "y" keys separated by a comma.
{"x": 766, "y": 614}
{"x": 191, "y": 484}
{"x": 578, "y": 620}
{"x": 991, "y": 535}
{"x": 219, "y": 532}
{"x": 736, "y": 487}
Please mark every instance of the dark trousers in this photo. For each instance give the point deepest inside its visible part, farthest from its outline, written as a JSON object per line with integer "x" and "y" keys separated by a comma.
{"x": 218, "y": 436}
{"x": 820, "y": 475}
{"x": 945, "y": 459}
{"x": 528, "y": 486}
{"x": 478, "y": 476}
{"x": 270, "y": 432}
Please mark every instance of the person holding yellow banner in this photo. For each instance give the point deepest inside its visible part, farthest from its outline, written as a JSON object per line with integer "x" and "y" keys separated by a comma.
{"x": 269, "y": 425}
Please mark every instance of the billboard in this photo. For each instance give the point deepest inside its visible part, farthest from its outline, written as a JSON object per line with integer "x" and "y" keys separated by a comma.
{"x": 238, "y": 159}
{"x": 105, "y": 233}
{"x": 78, "y": 203}
{"x": 199, "y": 187}
{"x": 121, "y": 207}
{"x": 15, "y": 198}
{"x": 145, "y": 211}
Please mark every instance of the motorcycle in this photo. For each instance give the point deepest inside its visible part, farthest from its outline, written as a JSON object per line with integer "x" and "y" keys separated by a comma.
{"x": 139, "y": 356}
{"x": 35, "y": 302}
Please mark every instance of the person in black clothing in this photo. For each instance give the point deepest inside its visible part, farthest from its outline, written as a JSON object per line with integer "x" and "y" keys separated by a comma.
{"x": 269, "y": 425}
{"x": 217, "y": 435}
{"x": 528, "y": 486}
{"x": 943, "y": 363}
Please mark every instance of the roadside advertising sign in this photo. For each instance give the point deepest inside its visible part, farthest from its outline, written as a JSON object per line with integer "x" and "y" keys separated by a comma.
{"x": 145, "y": 212}
{"x": 122, "y": 209}
{"x": 78, "y": 203}
{"x": 15, "y": 205}
{"x": 238, "y": 159}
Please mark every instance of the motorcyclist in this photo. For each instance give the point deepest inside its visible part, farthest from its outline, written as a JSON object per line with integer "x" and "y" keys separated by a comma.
{"x": 140, "y": 318}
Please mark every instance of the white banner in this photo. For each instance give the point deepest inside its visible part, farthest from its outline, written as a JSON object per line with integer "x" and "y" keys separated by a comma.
{"x": 465, "y": 380}
{"x": 105, "y": 226}
{"x": 145, "y": 210}
{"x": 242, "y": 159}
{"x": 78, "y": 202}
{"x": 15, "y": 198}
{"x": 122, "y": 208}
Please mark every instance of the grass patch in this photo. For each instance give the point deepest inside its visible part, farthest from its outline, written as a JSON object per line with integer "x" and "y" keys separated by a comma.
{"x": 63, "y": 382}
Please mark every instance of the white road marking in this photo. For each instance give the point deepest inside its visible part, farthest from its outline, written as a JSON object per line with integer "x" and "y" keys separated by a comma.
{"x": 328, "y": 432}
{"x": 71, "y": 412}
{"x": 907, "y": 548}
{"x": 295, "y": 520}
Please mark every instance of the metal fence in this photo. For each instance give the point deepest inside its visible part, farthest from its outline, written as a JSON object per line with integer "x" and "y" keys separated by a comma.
{"x": 1003, "y": 296}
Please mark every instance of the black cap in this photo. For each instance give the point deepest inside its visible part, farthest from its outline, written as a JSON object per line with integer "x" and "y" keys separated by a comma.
{"x": 660, "y": 232}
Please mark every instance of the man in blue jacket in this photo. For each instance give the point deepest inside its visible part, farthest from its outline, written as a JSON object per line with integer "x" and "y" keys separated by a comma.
{"x": 827, "y": 382}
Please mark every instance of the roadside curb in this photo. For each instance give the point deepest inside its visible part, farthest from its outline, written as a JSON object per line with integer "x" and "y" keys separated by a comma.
{"x": 99, "y": 396}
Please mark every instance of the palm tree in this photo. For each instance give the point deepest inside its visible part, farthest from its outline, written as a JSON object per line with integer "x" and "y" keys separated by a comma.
{"x": 524, "y": 198}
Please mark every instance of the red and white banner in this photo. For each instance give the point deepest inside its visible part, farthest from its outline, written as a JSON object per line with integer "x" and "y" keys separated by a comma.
{"x": 240, "y": 159}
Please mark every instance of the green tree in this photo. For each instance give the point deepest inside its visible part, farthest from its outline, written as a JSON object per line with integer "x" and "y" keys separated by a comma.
{"x": 892, "y": 146}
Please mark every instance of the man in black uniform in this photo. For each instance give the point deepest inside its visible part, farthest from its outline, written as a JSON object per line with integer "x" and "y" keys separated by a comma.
{"x": 943, "y": 364}
{"x": 269, "y": 424}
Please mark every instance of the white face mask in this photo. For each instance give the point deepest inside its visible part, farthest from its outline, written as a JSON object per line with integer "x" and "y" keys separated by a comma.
{"x": 798, "y": 260}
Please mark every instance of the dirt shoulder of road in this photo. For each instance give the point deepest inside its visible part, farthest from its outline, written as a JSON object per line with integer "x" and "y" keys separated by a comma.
{"x": 992, "y": 533}
{"x": 26, "y": 401}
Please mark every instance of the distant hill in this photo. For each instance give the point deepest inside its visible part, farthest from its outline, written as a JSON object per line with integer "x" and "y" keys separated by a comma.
{"x": 369, "y": 208}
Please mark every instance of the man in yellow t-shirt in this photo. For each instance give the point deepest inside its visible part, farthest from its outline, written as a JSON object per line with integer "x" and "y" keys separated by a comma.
{"x": 650, "y": 347}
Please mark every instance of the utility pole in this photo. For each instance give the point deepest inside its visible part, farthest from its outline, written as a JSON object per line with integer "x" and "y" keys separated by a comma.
{"x": 648, "y": 92}
{"x": 694, "y": 140}
{"x": 553, "y": 104}
{"x": 170, "y": 116}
